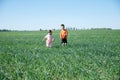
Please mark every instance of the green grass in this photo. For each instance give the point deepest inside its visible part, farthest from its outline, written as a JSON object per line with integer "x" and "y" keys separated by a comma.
{"x": 90, "y": 55}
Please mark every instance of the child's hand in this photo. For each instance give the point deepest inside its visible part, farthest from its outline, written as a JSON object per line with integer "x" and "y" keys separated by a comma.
{"x": 53, "y": 40}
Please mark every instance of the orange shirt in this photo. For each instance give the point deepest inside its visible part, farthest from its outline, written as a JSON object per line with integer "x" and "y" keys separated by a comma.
{"x": 63, "y": 34}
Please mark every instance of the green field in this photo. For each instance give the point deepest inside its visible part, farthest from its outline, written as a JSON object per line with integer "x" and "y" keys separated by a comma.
{"x": 90, "y": 55}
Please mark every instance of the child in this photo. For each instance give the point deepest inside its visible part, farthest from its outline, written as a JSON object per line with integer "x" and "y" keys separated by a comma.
{"x": 49, "y": 39}
{"x": 63, "y": 35}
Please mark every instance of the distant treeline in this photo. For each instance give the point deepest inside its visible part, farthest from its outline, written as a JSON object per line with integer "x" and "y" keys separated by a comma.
{"x": 101, "y": 28}
{"x": 89, "y": 28}
{"x": 73, "y": 28}
{"x": 6, "y": 30}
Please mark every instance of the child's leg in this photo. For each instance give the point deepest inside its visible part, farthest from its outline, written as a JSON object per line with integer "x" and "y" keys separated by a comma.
{"x": 64, "y": 42}
{"x": 47, "y": 44}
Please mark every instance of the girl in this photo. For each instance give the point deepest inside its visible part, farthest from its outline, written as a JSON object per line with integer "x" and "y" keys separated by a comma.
{"x": 49, "y": 39}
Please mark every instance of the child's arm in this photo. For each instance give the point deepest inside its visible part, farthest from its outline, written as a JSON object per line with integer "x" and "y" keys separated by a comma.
{"x": 53, "y": 39}
{"x": 60, "y": 34}
{"x": 44, "y": 38}
{"x": 66, "y": 33}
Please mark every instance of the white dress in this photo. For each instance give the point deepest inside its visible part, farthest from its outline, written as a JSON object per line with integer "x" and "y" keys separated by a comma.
{"x": 49, "y": 40}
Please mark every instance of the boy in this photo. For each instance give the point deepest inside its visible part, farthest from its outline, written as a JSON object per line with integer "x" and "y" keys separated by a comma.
{"x": 63, "y": 35}
{"x": 49, "y": 39}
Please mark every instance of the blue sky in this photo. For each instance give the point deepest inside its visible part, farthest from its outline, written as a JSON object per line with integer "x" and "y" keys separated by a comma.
{"x": 48, "y": 14}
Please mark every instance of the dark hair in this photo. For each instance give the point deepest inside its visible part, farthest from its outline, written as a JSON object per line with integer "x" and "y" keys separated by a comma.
{"x": 49, "y": 31}
{"x": 63, "y": 25}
